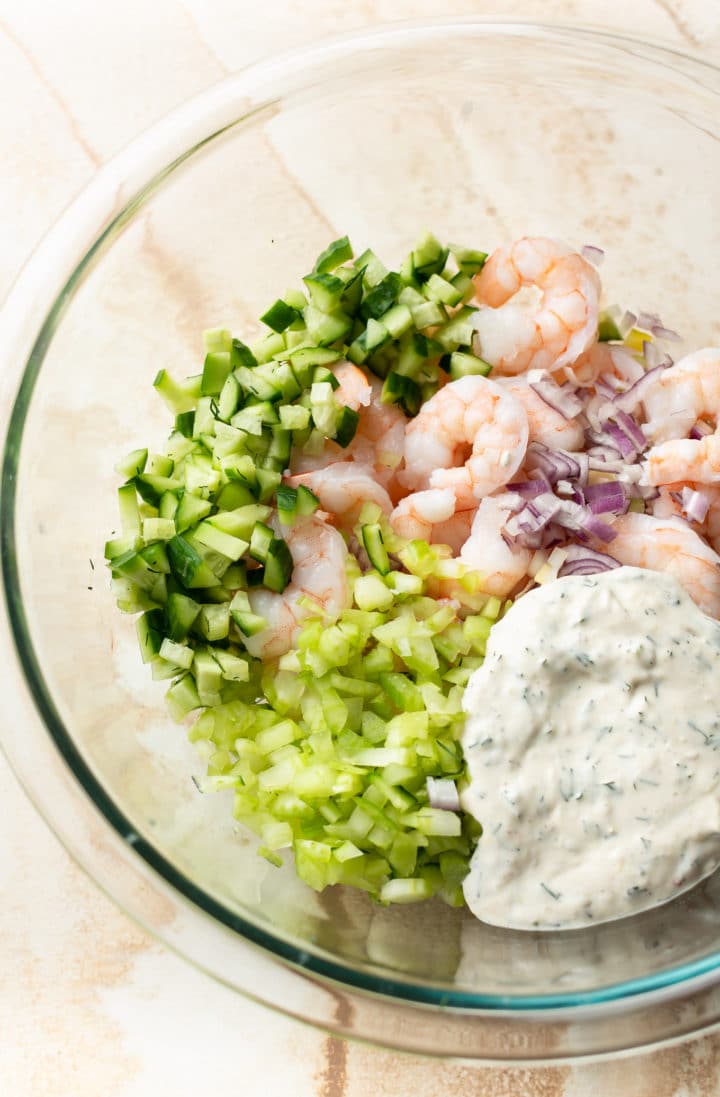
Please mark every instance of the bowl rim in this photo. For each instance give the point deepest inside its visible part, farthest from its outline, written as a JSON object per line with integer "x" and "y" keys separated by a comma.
{"x": 120, "y": 187}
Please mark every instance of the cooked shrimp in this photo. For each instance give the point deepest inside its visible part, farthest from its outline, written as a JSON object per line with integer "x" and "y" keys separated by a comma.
{"x": 380, "y": 437}
{"x": 604, "y": 359}
{"x": 545, "y": 424}
{"x": 471, "y": 437}
{"x": 669, "y": 545}
{"x": 688, "y": 391}
{"x": 559, "y": 329}
{"x": 319, "y": 555}
{"x": 417, "y": 514}
{"x": 679, "y": 396}
{"x": 501, "y": 567}
{"x": 343, "y": 488}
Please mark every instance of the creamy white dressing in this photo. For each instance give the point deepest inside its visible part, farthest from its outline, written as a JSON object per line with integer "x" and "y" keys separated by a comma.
{"x": 593, "y": 747}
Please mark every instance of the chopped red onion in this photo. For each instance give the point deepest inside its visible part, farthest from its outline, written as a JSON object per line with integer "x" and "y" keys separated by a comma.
{"x": 700, "y": 430}
{"x": 443, "y": 794}
{"x": 695, "y": 504}
{"x": 585, "y": 561}
{"x": 557, "y": 464}
{"x": 646, "y": 321}
{"x": 628, "y": 322}
{"x": 604, "y": 458}
{"x": 599, "y": 529}
{"x": 629, "y": 400}
{"x": 616, "y": 436}
{"x": 632, "y": 429}
{"x": 668, "y": 334}
{"x": 610, "y": 497}
{"x": 528, "y": 489}
{"x": 593, "y": 254}
{"x": 561, "y": 399}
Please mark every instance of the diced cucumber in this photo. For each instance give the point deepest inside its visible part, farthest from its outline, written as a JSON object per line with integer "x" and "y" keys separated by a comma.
{"x": 184, "y": 424}
{"x": 181, "y": 613}
{"x": 469, "y": 260}
{"x": 278, "y": 565}
{"x": 159, "y": 464}
{"x": 267, "y": 348}
{"x": 339, "y": 251}
{"x": 429, "y": 256}
{"x": 326, "y": 327}
{"x": 458, "y": 331}
{"x": 608, "y": 327}
{"x": 429, "y": 314}
{"x": 133, "y": 464}
{"x": 158, "y": 529}
{"x": 180, "y": 396}
{"x": 269, "y": 480}
{"x": 180, "y": 655}
{"x": 381, "y": 297}
{"x": 375, "y": 547}
{"x": 191, "y": 509}
{"x": 325, "y": 291}
{"x": 182, "y": 697}
{"x": 398, "y": 389}
{"x": 240, "y": 520}
{"x": 151, "y": 488}
{"x": 216, "y": 370}
{"x": 229, "y": 398}
{"x": 233, "y": 667}
{"x": 260, "y": 541}
{"x": 397, "y": 320}
{"x": 241, "y": 612}
{"x": 294, "y": 417}
{"x": 213, "y": 622}
{"x": 346, "y": 425}
{"x": 187, "y": 565}
{"x": 129, "y": 512}
{"x": 150, "y": 633}
{"x": 445, "y": 293}
{"x": 155, "y": 557}
{"x": 280, "y": 316}
{"x": 220, "y": 541}
{"x": 206, "y": 672}
{"x": 467, "y": 365}
{"x": 215, "y": 339}
{"x": 375, "y": 271}
{"x": 241, "y": 355}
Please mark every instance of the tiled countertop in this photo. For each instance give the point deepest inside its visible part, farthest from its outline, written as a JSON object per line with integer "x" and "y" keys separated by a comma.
{"x": 89, "y": 1004}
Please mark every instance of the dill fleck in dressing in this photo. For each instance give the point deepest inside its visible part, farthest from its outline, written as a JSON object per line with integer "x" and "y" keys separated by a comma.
{"x": 593, "y": 749}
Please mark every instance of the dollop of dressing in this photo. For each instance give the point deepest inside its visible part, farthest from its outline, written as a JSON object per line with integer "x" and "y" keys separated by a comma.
{"x": 593, "y": 747}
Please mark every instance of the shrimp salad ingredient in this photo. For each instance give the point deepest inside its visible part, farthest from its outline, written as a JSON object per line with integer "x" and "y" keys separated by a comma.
{"x": 594, "y": 810}
{"x": 348, "y": 504}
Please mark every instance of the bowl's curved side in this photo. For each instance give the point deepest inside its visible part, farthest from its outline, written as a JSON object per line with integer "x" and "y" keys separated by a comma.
{"x": 307, "y": 983}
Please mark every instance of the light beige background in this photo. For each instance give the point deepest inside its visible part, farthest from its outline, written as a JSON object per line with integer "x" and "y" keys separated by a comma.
{"x": 88, "y": 1004}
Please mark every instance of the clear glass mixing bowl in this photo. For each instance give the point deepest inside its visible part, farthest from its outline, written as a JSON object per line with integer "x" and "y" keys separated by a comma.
{"x": 480, "y": 132}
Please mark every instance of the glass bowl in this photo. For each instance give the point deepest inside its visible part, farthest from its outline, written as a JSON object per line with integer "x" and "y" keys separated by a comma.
{"x": 481, "y": 132}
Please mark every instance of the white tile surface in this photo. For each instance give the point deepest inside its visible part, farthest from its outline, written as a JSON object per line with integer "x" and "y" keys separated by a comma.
{"x": 88, "y": 1004}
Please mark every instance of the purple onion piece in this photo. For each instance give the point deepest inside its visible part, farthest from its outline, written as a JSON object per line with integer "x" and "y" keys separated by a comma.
{"x": 592, "y": 254}
{"x": 599, "y": 529}
{"x": 695, "y": 504}
{"x": 561, "y": 399}
{"x": 556, "y": 464}
{"x": 442, "y": 793}
{"x": 585, "y": 561}
{"x": 617, "y": 437}
{"x": 607, "y": 498}
{"x": 632, "y": 429}
{"x": 668, "y": 334}
{"x": 629, "y": 400}
{"x": 700, "y": 430}
{"x": 528, "y": 489}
